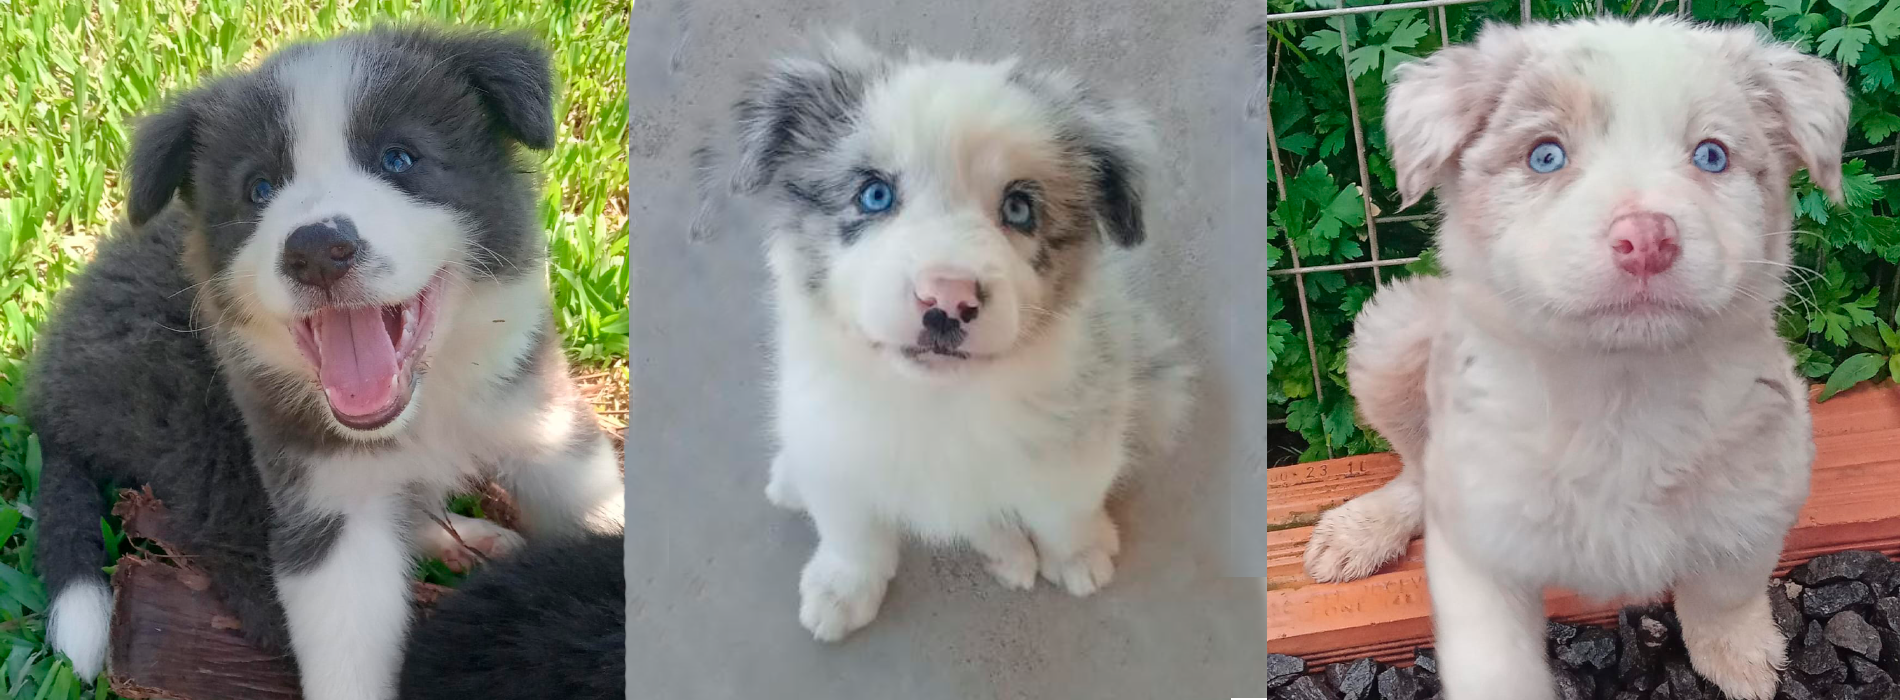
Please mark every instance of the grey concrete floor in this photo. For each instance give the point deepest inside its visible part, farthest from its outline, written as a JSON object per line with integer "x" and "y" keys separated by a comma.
{"x": 713, "y": 569}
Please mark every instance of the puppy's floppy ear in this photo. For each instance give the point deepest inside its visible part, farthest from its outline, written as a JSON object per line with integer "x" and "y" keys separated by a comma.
{"x": 1120, "y": 142}
{"x": 1113, "y": 138}
{"x": 799, "y": 105}
{"x": 160, "y": 162}
{"x": 1437, "y": 105}
{"x": 515, "y": 78}
{"x": 1806, "y": 103}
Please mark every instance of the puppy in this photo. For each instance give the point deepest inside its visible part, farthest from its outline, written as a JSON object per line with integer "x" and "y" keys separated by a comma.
{"x": 1593, "y": 396}
{"x": 958, "y": 356}
{"x": 329, "y": 309}
{"x": 547, "y": 622}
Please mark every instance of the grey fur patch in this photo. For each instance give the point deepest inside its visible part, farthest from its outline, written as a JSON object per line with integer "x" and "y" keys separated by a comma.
{"x": 299, "y": 543}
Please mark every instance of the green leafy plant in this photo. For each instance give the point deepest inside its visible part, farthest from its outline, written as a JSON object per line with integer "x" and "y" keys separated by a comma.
{"x": 1844, "y": 287}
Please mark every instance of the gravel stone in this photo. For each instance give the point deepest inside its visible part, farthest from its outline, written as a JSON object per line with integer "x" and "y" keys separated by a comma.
{"x": 1355, "y": 680}
{"x": 1306, "y": 688}
{"x": 1282, "y": 669}
{"x": 1402, "y": 684}
{"x": 1593, "y": 649}
{"x": 1849, "y": 631}
{"x": 1787, "y": 616}
{"x": 1825, "y": 601}
{"x": 1816, "y": 657}
{"x": 1865, "y": 567}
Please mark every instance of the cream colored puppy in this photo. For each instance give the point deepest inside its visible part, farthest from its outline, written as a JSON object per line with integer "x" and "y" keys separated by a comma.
{"x": 1593, "y": 396}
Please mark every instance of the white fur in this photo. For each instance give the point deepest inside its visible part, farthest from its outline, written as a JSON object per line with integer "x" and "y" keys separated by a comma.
{"x": 1015, "y": 451}
{"x": 1550, "y": 439}
{"x": 412, "y": 239}
{"x": 79, "y": 622}
{"x": 348, "y": 616}
{"x": 948, "y": 220}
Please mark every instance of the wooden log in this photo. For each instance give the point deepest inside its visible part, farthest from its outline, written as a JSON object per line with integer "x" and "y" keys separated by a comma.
{"x": 173, "y": 639}
{"x": 1854, "y": 503}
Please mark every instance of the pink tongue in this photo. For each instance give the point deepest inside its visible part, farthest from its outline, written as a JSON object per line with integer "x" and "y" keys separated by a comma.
{"x": 359, "y": 360}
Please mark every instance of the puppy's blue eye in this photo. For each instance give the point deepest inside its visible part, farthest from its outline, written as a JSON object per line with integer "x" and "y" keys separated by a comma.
{"x": 261, "y": 191}
{"x": 1711, "y": 157}
{"x": 876, "y": 196}
{"x": 1547, "y": 157}
{"x": 396, "y": 159}
{"x": 1018, "y": 212}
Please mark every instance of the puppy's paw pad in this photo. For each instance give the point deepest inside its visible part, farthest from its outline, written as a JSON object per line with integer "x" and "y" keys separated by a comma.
{"x": 1354, "y": 540}
{"x": 836, "y": 599}
{"x": 1744, "y": 666}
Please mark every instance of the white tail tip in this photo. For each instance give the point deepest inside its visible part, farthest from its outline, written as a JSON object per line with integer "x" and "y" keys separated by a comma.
{"x": 81, "y": 619}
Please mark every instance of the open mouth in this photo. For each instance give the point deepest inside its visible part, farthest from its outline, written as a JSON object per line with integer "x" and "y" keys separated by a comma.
{"x": 366, "y": 356}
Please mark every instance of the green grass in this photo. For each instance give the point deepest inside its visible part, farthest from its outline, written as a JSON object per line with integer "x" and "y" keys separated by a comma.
{"x": 74, "y": 76}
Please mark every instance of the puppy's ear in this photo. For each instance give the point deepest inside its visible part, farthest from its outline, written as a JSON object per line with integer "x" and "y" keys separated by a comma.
{"x": 1121, "y": 142}
{"x": 1114, "y": 139}
{"x": 515, "y": 78}
{"x": 159, "y": 165}
{"x": 1806, "y": 104}
{"x": 1435, "y": 107}
{"x": 798, "y": 106}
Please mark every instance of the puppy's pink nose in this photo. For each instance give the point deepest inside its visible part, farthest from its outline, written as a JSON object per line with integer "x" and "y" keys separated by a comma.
{"x": 1644, "y": 244}
{"x": 956, "y": 294}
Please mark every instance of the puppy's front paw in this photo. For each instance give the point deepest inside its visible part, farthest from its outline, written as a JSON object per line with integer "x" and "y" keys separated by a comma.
{"x": 1354, "y": 540}
{"x": 1744, "y": 661}
{"x": 837, "y": 597}
{"x": 1009, "y": 556}
{"x": 480, "y": 540}
{"x": 779, "y": 489}
{"x": 1088, "y": 568}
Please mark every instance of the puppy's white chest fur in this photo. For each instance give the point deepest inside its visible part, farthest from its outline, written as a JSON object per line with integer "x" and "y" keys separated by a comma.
{"x": 1614, "y": 475}
{"x": 948, "y": 457}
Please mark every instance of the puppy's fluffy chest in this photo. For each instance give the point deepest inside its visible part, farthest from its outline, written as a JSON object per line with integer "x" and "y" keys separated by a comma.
{"x": 943, "y": 458}
{"x": 1614, "y": 474}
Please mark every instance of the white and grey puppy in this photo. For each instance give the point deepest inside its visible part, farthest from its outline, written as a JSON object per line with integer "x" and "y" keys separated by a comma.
{"x": 1594, "y": 396}
{"x": 330, "y": 309}
{"x": 957, "y": 355}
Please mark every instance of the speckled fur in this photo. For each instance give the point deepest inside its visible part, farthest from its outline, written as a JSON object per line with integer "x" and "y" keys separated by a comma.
{"x": 1021, "y": 443}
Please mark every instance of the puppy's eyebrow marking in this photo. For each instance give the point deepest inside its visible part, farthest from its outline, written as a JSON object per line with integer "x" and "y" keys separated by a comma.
{"x": 805, "y": 196}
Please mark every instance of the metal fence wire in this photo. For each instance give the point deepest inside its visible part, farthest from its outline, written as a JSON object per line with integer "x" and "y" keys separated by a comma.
{"x": 1340, "y": 14}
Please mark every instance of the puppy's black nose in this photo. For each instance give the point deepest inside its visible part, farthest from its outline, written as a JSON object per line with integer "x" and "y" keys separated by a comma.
{"x": 319, "y": 254}
{"x": 940, "y": 322}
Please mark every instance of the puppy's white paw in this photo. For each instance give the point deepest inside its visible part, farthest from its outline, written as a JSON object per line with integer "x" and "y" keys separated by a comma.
{"x": 837, "y": 597}
{"x": 1355, "y": 539}
{"x": 1089, "y": 568}
{"x": 1009, "y": 556}
{"x": 779, "y": 489}
{"x": 487, "y": 540}
{"x": 1744, "y": 660}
